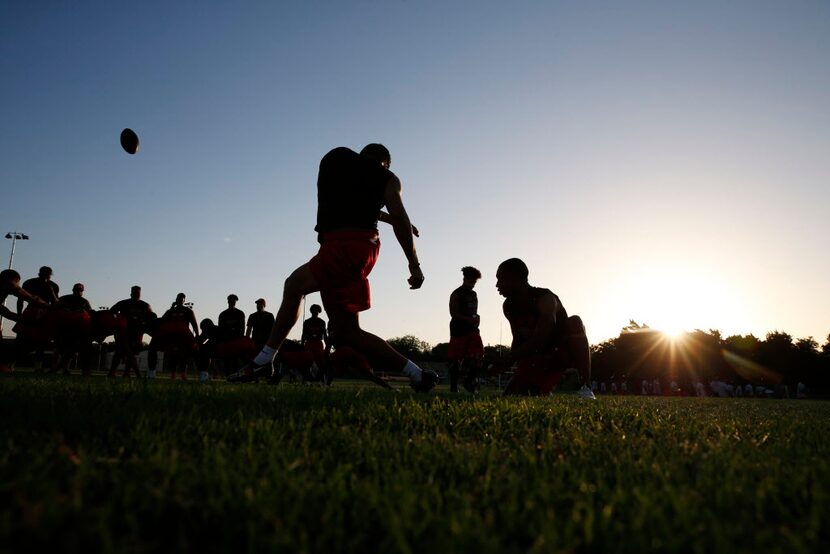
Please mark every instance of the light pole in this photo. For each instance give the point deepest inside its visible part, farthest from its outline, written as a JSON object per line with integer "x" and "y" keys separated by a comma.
{"x": 14, "y": 236}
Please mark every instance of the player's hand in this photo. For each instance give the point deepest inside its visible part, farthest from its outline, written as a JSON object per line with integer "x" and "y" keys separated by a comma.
{"x": 415, "y": 231}
{"x": 416, "y": 276}
{"x": 477, "y": 320}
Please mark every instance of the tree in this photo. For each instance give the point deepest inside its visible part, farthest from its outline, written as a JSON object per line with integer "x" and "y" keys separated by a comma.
{"x": 411, "y": 347}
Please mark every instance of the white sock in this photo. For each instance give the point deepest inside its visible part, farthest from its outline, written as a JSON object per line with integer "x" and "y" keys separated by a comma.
{"x": 412, "y": 371}
{"x": 266, "y": 356}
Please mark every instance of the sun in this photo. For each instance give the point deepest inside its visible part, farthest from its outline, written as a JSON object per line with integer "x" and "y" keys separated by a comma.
{"x": 675, "y": 300}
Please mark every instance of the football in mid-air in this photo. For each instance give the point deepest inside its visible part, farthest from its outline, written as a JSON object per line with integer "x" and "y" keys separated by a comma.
{"x": 129, "y": 141}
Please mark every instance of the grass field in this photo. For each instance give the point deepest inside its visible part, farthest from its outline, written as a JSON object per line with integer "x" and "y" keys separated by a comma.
{"x": 95, "y": 465}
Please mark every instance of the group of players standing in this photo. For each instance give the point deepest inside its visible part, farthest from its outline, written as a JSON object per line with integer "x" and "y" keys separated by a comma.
{"x": 352, "y": 190}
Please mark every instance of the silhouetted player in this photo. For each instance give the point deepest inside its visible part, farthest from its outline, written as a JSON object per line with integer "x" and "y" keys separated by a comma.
{"x": 546, "y": 341}
{"x": 47, "y": 290}
{"x": 260, "y": 324}
{"x": 73, "y": 330}
{"x": 173, "y": 336}
{"x": 231, "y": 322}
{"x": 10, "y": 286}
{"x": 466, "y": 349}
{"x": 314, "y": 336}
{"x": 351, "y": 190}
{"x": 140, "y": 317}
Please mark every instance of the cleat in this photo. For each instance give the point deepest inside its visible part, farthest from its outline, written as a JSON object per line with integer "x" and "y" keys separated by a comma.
{"x": 203, "y": 377}
{"x": 251, "y": 372}
{"x": 585, "y": 393}
{"x": 469, "y": 386}
{"x": 428, "y": 381}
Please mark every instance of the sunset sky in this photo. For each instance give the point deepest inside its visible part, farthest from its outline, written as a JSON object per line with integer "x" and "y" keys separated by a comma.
{"x": 667, "y": 162}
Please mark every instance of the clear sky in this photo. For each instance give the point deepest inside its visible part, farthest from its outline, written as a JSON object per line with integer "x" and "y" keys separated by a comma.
{"x": 662, "y": 161}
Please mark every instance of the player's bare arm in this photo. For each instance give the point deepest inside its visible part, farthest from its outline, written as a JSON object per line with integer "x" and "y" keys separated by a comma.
{"x": 542, "y": 333}
{"x": 403, "y": 230}
{"x": 384, "y": 217}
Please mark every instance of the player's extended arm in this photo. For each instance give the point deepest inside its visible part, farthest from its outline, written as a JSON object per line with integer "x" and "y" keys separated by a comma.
{"x": 8, "y": 314}
{"x": 399, "y": 220}
{"x": 248, "y": 330}
{"x": 544, "y": 329}
{"x": 386, "y": 219}
{"x": 24, "y": 295}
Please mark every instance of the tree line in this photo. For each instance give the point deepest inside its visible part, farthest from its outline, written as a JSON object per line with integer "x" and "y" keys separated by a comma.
{"x": 641, "y": 352}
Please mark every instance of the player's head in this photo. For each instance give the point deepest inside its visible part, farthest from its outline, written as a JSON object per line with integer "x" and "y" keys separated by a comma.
{"x": 511, "y": 277}
{"x": 135, "y": 292}
{"x": 180, "y": 298}
{"x": 316, "y": 309}
{"x": 379, "y": 153}
{"x": 471, "y": 276}
{"x": 45, "y": 272}
{"x": 10, "y": 276}
{"x": 232, "y": 300}
{"x": 78, "y": 289}
{"x": 260, "y": 304}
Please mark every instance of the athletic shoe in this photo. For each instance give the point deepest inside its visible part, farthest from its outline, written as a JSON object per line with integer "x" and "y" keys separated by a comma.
{"x": 585, "y": 393}
{"x": 251, "y": 372}
{"x": 469, "y": 385}
{"x": 151, "y": 374}
{"x": 203, "y": 376}
{"x": 428, "y": 381}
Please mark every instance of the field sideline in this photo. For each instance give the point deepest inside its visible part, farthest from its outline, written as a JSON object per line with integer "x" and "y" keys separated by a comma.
{"x": 130, "y": 466}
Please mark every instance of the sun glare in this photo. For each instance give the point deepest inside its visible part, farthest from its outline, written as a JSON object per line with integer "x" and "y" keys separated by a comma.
{"x": 675, "y": 300}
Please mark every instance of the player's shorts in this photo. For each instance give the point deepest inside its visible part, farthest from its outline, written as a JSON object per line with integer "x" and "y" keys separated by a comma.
{"x": 36, "y": 326}
{"x": 173, "y": 335}
{"x": 342, "y": 267}
{"x": 106, "y": 323}
{"x": 539, "y": 374}
{"x": 72, "y": 327}
{"x": 466, "y": 347}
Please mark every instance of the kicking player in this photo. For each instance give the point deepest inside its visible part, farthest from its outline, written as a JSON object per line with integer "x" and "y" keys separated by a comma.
{"x": 466, "y": 349}
{"x": 546, "y": 341}
{"x": 351, "y": 190}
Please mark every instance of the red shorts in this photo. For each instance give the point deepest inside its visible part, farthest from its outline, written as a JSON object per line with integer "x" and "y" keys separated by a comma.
{"x": 317, "y": 349}
{"x": 173, "y": 335}
{"x": 342, "y": 267}
{"x": 36, "y": 325}
{"x": 539, "y": 374}
{"x": 466, "y": 347}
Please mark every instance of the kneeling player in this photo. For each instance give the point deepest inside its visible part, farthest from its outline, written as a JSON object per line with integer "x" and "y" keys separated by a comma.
{"x": 10, "y": 286}
{"x": 546, "y": 341}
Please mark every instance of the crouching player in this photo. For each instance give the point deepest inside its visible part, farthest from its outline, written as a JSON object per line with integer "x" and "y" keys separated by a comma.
{"x": 546, "y": 341}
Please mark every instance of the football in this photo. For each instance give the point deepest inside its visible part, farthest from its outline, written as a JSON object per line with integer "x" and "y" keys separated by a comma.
{"x": 129, "y": 141}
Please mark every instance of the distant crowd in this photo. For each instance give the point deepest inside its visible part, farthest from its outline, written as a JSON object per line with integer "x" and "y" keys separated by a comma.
{"x": 720, "y": 389}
